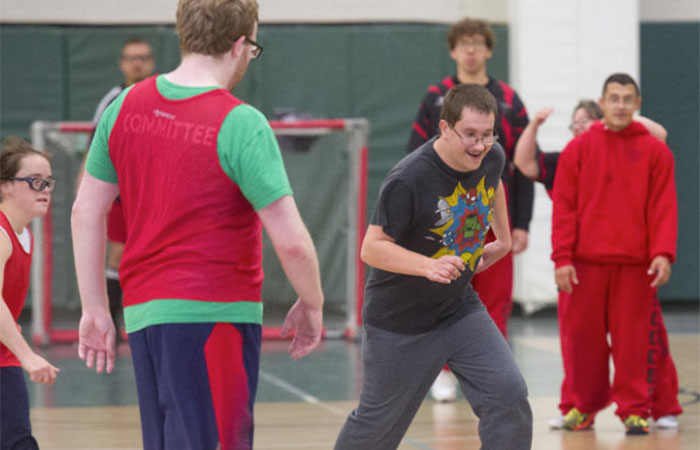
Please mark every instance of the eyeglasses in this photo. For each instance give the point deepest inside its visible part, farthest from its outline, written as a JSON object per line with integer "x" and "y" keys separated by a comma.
{"x": 579, "y": 124}
{"x": 627, "y": 100}
{"x": 472, "y": 139}
{"x": 471, "y": 45}
{"x": 257, "y": 48}
{"x": 36, "y": 183}
{"x": 139, "y": 58}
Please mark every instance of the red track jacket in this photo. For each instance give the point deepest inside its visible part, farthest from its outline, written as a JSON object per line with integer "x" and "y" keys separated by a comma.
{"x": 614, "y": 198}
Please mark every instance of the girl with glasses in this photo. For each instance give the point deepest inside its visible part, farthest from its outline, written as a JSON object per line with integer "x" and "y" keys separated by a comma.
{"x": 25, "y": 193}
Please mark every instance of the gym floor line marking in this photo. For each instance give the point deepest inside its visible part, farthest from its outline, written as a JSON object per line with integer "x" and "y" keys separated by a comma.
{"x": 308, "y": 398}
{"x": 305, "y": 396}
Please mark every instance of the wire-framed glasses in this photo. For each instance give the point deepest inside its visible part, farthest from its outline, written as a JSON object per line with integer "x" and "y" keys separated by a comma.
{"x": 472, "y": 139}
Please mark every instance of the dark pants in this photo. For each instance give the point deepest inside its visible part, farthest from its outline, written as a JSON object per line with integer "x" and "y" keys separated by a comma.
{"x": 398, "y": 370}
{"x": 196, "y": 384}
{"x": 15, "y": 428}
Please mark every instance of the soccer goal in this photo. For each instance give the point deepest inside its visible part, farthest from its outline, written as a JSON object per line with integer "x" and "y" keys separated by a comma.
{"x": 326, "y": 160}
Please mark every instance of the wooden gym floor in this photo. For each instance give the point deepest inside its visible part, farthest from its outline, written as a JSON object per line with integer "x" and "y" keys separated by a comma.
{"x": 302, "y": 405}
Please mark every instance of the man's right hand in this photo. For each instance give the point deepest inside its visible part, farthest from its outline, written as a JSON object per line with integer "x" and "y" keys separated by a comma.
{"x": 445, "y": 269}
{"x": 307, "y": 324}
{"x": 541, "y": 115}
{"x": 565, "y": 277}
{"x": 96, "y": 341}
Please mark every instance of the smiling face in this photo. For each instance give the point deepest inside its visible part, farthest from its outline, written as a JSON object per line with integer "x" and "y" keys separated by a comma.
{"x": 580, "y": 122}
{"x": 17, "y": 192}
{"x": 464, "y": 145}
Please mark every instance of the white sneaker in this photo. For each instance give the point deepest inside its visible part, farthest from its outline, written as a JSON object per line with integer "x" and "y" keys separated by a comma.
{"x": 557, "y": 423}
{"x": 667, "y": 422}
{"x": 444, "y": 387}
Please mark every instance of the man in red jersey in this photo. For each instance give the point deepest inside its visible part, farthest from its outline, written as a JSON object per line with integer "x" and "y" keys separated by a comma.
{"x": 614, "y": 231}
{"x": 199, "y": 174}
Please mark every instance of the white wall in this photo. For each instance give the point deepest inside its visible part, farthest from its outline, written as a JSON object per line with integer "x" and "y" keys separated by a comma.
{"x": 271, "y": 11}
{"x": 560, "y": 52}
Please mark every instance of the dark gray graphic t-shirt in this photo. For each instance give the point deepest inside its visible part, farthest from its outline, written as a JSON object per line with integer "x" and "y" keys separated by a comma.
{"x": 432, "y": 209}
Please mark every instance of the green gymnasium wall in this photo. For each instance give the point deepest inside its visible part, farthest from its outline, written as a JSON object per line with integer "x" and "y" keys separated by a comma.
{"x": 670, "y": 64}
{"x": 377, "y": 71}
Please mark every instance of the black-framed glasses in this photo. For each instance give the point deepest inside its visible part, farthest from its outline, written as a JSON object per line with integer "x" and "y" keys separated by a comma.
{"x": 257, "y": 48}
{"x": 472, "y": 139}
{"x": 134, "y": 58}
{"x": 36, "y": 183}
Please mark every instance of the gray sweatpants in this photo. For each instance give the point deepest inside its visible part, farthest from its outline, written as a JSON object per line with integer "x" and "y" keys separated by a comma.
{"x": 399, "y": 370}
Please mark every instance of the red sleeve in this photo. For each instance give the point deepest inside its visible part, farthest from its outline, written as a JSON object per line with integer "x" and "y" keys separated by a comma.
{"x": 662, "y": 206}
{"x": 564, "y": 209}
{"x": 425, "y": 125}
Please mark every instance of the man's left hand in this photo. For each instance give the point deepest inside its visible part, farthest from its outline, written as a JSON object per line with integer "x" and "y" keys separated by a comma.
{"x": 660, "y": 266}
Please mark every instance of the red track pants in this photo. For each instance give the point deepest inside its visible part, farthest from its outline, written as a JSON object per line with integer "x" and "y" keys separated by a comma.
{"x": 615, "y": 299}
{"x": 662, "y": 379}
{"x": 495, "y": 289}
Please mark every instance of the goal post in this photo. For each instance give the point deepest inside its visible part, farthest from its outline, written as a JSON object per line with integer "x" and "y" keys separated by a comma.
{"x": 326, "y": 160}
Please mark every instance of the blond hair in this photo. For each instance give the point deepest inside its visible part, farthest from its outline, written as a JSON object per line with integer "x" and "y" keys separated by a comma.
{"x": 210, "y": 27}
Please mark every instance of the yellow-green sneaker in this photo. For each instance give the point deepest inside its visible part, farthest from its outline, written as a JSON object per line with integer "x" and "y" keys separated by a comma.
{"x": 575, "y": 420}
{"x": 635, "y": 424}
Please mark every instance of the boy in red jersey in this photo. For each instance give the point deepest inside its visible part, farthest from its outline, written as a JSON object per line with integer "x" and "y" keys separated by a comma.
{"x": 199, "y": 174}
{"x": 25, "y": 193}
{"x": 614, "y": 230}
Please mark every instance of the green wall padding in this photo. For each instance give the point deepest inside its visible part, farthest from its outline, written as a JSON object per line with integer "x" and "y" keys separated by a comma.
{"x": 670, "y": 64}
{"x": 32, "y": 77}
{"x": 376, "y": 71}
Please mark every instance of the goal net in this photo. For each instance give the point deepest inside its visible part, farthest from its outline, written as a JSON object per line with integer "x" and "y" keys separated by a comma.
{"x": 326, "y": 160}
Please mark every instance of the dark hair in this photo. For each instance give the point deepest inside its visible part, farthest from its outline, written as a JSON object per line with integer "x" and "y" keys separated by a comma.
{"x": 13, "y": 151}
{"x": 470, "y": 27}
{"x": 134, "y": 41}
{"x": 623, "y": 79}
{"x": 591, "y": 107}
{"x": 467, "y": 95}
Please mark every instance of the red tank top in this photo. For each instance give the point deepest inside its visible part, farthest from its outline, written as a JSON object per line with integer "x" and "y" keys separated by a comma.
{"x": 191, "y": 234}
{"x": 15, "y": 283}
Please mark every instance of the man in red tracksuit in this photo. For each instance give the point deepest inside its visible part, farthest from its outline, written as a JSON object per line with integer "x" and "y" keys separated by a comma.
{"x": 614, "y": 230}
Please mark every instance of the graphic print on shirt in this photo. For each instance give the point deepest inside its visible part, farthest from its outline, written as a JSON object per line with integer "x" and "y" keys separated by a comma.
{"x": 465, "y": 218}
